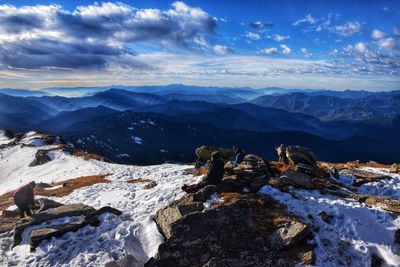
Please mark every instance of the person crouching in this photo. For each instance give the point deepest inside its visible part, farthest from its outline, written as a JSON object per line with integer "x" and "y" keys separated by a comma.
{"x": 24, "y": 199}
{"x": 214, "y": 175}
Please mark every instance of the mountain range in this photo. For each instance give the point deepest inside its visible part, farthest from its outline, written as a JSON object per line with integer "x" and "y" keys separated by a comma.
{"x": 152, "y": 124}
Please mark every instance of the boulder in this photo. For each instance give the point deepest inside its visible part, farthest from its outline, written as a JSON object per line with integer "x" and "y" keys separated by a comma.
{"x": 297, "y": 179}
{"x": 41, "y": 157}
{"x": 299, "y": 154}
{"x": 230, "y": 185}
{"x": 150, "y": 185}
{"x": 203, "y": 154}
{"x": 204, "y": 237}
{"x": 281, "y": 151}
{"x": 203, "y": 194}
{"x": 395, "y": 168}
{"x": 165, "y": 217}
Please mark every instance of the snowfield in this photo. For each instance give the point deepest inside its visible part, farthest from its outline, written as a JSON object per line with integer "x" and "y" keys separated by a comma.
{"x": 348, "y": 237}
{"x": 134, "y": 232}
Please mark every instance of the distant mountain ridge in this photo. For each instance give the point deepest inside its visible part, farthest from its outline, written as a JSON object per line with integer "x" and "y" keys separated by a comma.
{"x": 348, "y": 123}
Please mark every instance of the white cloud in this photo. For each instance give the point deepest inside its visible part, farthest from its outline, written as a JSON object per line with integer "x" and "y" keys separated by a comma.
{"x": 279, "y": 38}
{"x": 389, "y": 43}
{"x": 348, "y": 29}
{"x": 308, "y": 19}
{"x": 396, "y": 31}
{"x": 222, "y": 49}
{"x": 95, "y": 35}
{"x": 253, "y": 36}
{"x": 269, "y": 51}
{"x": 285, "y": 49}
{"x": 361, "y": 47}
{"x": 377, "y": 34}
{"x": 306, "y": 53}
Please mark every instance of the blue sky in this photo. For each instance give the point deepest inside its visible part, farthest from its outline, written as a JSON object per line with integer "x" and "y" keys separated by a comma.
{"x": 292, "y": 44}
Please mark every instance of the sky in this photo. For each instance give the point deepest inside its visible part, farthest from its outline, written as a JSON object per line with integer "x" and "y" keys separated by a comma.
{"x": 290, "y": 44}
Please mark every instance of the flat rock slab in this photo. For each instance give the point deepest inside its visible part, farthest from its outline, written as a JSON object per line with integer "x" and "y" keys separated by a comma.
{"x": 37, "y": 236}
{"x": 363, "y": 176}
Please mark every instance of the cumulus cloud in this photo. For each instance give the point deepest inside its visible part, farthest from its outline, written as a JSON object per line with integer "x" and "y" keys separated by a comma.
{"x": 348, "y": 29}
{"x": 285, "y": 49}
{"x": 269, "y": 51}
{"x": 260, "y": 25}
{"x": 253, "y": 36}
{"x": 377, "y": 34}
{"x": 222, "y": 49}
{"x": 389, "y": 43}
{"x": 50, "y": 37}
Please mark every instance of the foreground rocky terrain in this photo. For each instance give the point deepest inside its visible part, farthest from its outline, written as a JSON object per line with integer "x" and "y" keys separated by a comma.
{"x": 293, "y": 211}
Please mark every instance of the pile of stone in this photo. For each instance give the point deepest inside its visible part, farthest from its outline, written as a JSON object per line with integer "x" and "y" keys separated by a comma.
{"x": 301, "y": 159}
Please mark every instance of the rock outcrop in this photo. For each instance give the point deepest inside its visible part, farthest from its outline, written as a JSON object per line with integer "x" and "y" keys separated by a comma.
{"x": 248, "y": 231}
{"x": 41, "y": 158}
{"x": 50, "y": 210}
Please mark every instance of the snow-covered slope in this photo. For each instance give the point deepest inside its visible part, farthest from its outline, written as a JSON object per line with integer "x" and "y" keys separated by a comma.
{"x": 133, "y": 233}
{"x": 348, "y": 236}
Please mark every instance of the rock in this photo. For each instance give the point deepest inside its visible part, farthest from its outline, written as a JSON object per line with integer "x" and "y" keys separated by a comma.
{"x": 395, "y": 168}
{"x": 41, "y": 157}
{"x": 127, "y": 261}
{"x": 397, "y": 236}
{"x": 213, "y": 262}
{"x": 203, "y": 194}
{"x": 48, "y": 215}
{"x": 45, "y": 204}
{"x": 203, "y": 154}
{"x": 150, "y": 185}
{"x": 90, "y": 218}
{"x": 297, "y": 179}
{"x": 9, "y": 213}
{"x": 325, "y": 217}
{"x": 252, "y": 159}
{"x": 388, "y": 204}
{"x": 37, "y": 236}
{"x": 229, "y": 185}
{"x": 334, "y": 172}
{"x": 167, "y": 216}
{"x": 204, "y": 237}
{"x": 8, "y": 133}
{"x": 42, "y": 185}
{"x": 376, "y": 261}
{"x": 363, "y": 176}
{"x": 299, "y": 154}
{"x": 289, "y": 234}
{"x": 281, "y": 151}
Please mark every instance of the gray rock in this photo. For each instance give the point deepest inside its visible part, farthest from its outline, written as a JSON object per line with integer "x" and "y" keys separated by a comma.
{"x": 229, "y": 185}
{"x": 41, "y": 158}
{"x": 203, "y": 194}
{"x": 289, "y": 234}
{"x": 170, "y": 214}
{"x": 150, "y": 185}
{"x": 230, "y": 234}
